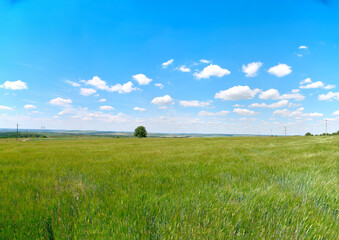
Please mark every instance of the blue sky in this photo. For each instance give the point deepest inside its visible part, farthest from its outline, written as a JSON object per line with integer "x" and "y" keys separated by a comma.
{"x": 176, "y": 66}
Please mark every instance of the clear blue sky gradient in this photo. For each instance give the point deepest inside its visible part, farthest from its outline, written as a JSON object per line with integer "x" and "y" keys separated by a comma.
{"x": 46, "y": 43}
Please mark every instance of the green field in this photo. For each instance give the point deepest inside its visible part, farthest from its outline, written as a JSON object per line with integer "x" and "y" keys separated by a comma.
{"x": 192, "y": 188}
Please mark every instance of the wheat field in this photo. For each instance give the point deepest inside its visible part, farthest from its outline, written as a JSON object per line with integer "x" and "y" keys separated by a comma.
{"x": 158, "y": 188}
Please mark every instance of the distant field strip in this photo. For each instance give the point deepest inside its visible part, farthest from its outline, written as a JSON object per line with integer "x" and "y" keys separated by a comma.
{"x": 191, "y": 188}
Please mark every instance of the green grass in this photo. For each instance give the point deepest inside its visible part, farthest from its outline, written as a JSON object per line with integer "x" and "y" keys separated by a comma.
{"x": 194, "y": 188}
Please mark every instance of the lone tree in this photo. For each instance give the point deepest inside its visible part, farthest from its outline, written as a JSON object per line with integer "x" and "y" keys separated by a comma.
{"x": 140, "y": 132}
{"x": 308, "y": 134}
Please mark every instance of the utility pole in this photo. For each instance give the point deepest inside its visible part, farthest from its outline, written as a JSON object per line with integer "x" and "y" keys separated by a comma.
{"x": 326, "y": 126}
{"x": 17, "y": 131}
{"x": 285, "y": 131}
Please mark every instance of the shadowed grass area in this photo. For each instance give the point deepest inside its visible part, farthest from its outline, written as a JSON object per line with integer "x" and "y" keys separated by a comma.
{"x": 196, "y": 188}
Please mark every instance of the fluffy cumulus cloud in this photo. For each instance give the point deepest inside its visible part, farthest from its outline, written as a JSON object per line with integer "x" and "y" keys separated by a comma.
{"x": 5, "y": 108}
{"x": 297, "y": 113}
{"x": 165, "y": 100}
{"x": 142, "y": 79}
{"x": 124, "y": 88}
{"x": 212, "y": 71}
{"x": 87, "y": 91}
{"x": 245, "y": 112}
{"x": 336, "y": 113}
{"x": 303, "y": 47}
{"x": 206, "y": 113}
{"x": 306, "y": 80}
{"x": 194, "y": 103}
{"x": 29, "y": 106}
{"x": 15, "y": 85}
{"x": 102, "y": 85}
{"x": 102, "y": 100}
{"x": 274, "y": 94}
{"x": 60, "y": 101}
{"x": 251, "y": 69}
{"x": 237, "y": 93}
{"x": 270, "y": 94}
{"x": 167, "y": 63}
{"x": 329, "y": 96}
{"x": 139, "y": 109}
{"x": 159, "y": 85}
{"x": 279, "y": 104}
{"x": 295, "y": 96}
{"x": 317, "y": 84}
{"x": 106, "y": 108}
{"x": 183, "y": 68}
{"x": 97, "y": 83}
{"x": 280, "y": 70}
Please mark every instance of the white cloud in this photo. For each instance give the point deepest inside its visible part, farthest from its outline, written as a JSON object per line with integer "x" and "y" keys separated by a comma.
{"x": 318, "y": 84}
{"x": 166, "y": 64}
{"x": 295, "y": 90}
{"x": 165, "y": 100}
{"x": 102, "y": 100}
{"x": 288, "y": 113}
{"x": 139, "y": 109}
{"x": 87, "y": 91}
{"x": 74, "y": 84}
{"x": 15, "y": 85}
{"x": 5, "y": 108}
{"x": 303, "y": 47}
{"x": 243, "y": 111}
{"x": 125, "y": 88}
{"x": 98, "y": 83}
{"x": 274, "y": 94}
{"x": 251, "y": 69}
{"x": 60, "y": 101}
{"x": 142, "y": 79}
{"x": 279, "y": 104}
{"x": 183, "y": 68}
{"x": 29, "y": 106}
{"x": 295, "y": 96}
{"x": 269, "y": 94}
{"x": 194, "y": 104}
{"x": 210, "y": 71}
{"x": 329, "y": 96}
{"x": 237, "y": 93}
{"x": 205, "y": 61}
{"x": 238, "y": 105}
{"x": 297, "y": 113}
{"x": 329, "y": 86}
{"x": 280, "y": 70}
{"x": 107, "y": 108}
{"x": 221, "y": 113}
{"x": 102, "y": 85}
{"x": 307, "y": 80}
{"x": 159, "y": 85}
{"x": 336, "y": 113}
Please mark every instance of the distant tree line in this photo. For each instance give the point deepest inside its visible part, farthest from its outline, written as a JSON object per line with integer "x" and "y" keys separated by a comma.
{"x": 323, "y": 134}
{"x": 21, "y": 135}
